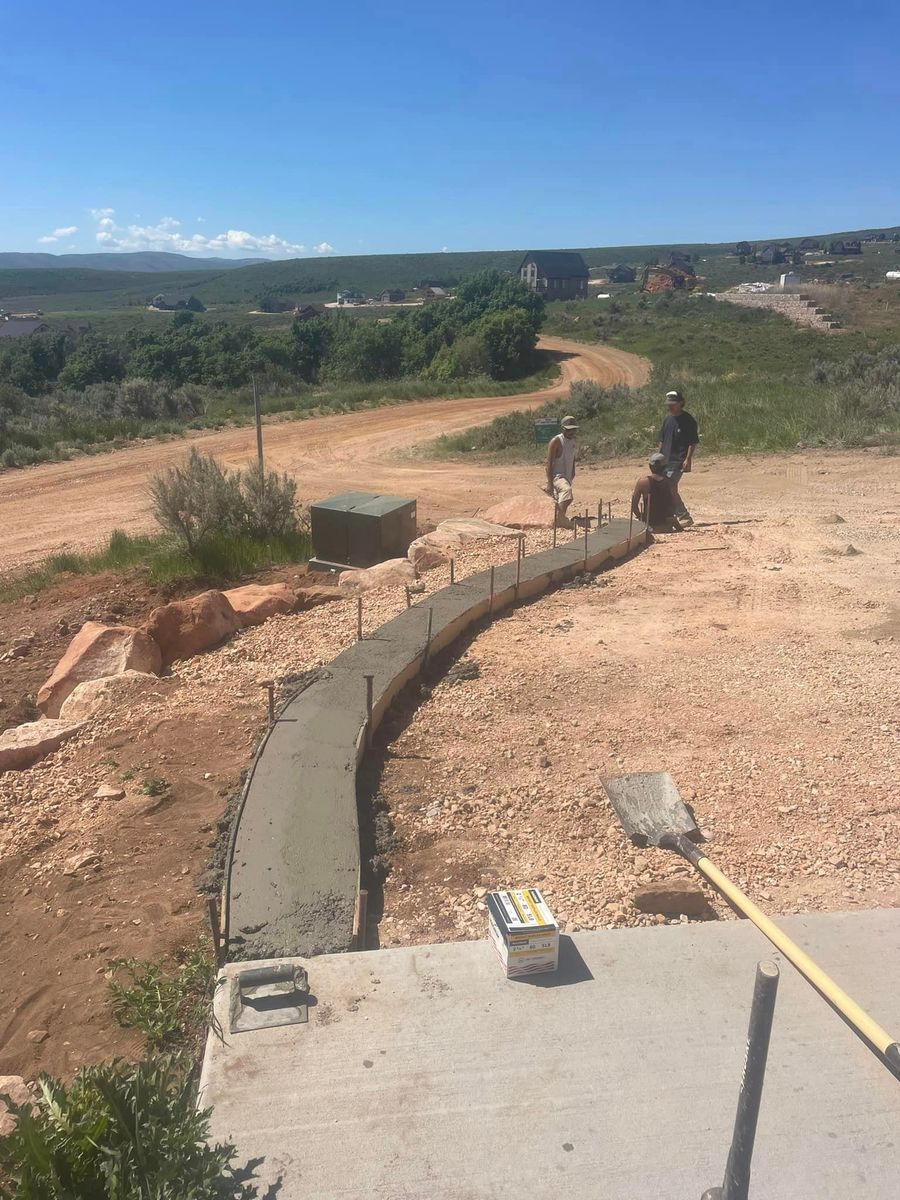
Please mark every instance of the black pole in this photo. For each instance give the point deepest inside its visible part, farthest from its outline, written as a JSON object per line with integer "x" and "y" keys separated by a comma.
{"x": 737, "y": 1169}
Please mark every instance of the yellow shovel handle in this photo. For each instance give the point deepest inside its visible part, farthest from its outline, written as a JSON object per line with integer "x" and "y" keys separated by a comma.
{"x": 858, "y": 1017}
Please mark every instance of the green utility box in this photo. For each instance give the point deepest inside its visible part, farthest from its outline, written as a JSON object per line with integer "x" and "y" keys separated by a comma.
{"x": 546, "y": 429}
{"x": 359, "y": 529}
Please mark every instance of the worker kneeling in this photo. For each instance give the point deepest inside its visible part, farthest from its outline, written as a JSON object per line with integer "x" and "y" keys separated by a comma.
{"x": 652, "y": 501}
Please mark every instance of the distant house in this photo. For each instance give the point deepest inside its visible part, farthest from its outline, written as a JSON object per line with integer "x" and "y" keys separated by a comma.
{"x": 744, "y": 249}
{"x": 13, "y": 327}
{"x": 435, "y": 293}
{"x": 771, "y": 255}
{"x": 392, "y": 296}
{"x": 556, "y": 274}
{"x": 852, "y": 246}
{"x": 350, "y": 297}
{"x": 809, "y": 244}
{"x": 307, "y": 312}
{"x": 276, "y": 304}
{"x": 168, "y": 303}
{"x": 620, "y": 273}
{"x": 682, "y": 262}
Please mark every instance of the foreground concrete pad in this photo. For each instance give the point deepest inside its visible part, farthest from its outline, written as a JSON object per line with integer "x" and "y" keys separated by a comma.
{"x": 423, "y": 1072}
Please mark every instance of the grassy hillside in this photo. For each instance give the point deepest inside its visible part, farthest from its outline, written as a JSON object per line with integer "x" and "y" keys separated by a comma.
{"x": 753, "y": 380}
{"x": 146, "y": 261}
{"x": 72, "y": 290}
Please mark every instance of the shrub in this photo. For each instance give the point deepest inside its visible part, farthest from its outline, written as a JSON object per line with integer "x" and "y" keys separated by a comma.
{"x": 270, "y": 503}
{"x": 119, "y": 1131}
{"x": 171, "y": 1007}
{"x": 201, "y": 502}
{"x": 197, "y": 500}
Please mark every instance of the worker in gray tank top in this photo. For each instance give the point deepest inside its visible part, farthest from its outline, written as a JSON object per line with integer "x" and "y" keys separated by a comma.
{"x": 561, "y": 467}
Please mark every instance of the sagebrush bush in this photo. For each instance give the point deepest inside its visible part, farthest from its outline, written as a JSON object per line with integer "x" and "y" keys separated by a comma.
{"x": 201, "y": 500}
{"x": 119, "y": 1132}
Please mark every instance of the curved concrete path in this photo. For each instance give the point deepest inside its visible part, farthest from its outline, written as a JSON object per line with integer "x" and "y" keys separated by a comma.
{"x": 292, "y": 875}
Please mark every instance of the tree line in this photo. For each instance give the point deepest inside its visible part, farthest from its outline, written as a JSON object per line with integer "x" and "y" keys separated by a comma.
{"x": 490, "y": 328}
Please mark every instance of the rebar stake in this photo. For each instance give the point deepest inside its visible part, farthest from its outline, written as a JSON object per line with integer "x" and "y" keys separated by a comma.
{"x": 630, "y": 520}
{"x": 491, "y": 600}
{"x": 370, "y": 692}
{"x": 587, "y": 525}
{"x": 212, "y": 905}
{"x": 269, "y": 685}
{"x": 555, "y": 520}
{"x": 599, "y": 513}
{"x": 609, "y": 512}
{"x": 359, "y": 636}
{"x": 427, "y": 653}
{"x": 737, "y": 1169}
{"x": 452, "y": 570}
{"x": 408, "y": 598}
{"x": 519, "y": 541}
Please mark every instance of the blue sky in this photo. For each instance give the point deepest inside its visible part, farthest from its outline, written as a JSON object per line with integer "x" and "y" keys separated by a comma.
{"x": 392, "y": 126}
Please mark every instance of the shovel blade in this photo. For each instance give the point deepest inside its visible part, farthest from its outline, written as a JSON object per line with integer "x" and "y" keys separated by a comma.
{"x": 648, "y": 805}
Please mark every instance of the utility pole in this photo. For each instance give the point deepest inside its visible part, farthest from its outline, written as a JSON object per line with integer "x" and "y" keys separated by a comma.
{"x": 259, "y": 452}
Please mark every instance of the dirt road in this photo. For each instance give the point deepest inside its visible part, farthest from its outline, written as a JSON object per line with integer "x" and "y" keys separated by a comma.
{"x": 75, "y": 505}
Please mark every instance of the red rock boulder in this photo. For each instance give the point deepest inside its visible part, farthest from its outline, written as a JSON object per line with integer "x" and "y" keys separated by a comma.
{"x": 534, "y": 511}
{"x": 257, "y": 602}
{"x": 187, "y": 627}
{"x": 95, "y": 652}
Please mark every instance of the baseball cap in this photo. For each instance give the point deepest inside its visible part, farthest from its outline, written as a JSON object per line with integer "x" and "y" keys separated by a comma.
{"x": 569, "y": 423}
{"x": 675, "y": 396}
{"x": 658, "y": 460}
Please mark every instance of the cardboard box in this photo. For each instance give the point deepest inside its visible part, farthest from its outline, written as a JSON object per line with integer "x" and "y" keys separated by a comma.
{"x": 523, "y": 931}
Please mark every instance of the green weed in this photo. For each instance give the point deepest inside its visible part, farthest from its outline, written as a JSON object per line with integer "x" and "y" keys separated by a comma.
{"x": 170, "y": 1005}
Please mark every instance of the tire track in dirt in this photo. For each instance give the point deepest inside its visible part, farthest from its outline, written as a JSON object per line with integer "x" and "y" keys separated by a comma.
{"x": 77, "y": 504}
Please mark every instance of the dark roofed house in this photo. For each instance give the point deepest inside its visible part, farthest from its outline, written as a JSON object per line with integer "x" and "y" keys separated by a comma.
{"x": 13, "y": 327}
{"x": 307, "y": 312}
{"x": 744, "y": 249}
{"x": 435, "y": 293}
{"x": 392, "y": 296}
{"x": 620, "y": 273}
{"x": 771, "y": 255}
{"x": 849, "y": 247}
{"x": 173, "y": 303}
{"x": 809, "y": 244}
{"x": 556, "y": 274}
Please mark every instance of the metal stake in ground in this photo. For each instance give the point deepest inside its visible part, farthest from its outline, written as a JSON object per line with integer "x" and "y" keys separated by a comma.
{"x": 408, "y": 598}
{"x": 269, "y": 685}
{"x": 491, "y": 599}
{"x": 737, "y": 1170}
{"x": 599, "y": 513}
{"x": 609, "y": 511}
{"x": 452, "y": 570}
{"x": 555, "y": 520}
{"x": 359, "y": 618}
{"x": 630, "y": 521}
{"x": 519, "y": 551}
{"x": 427, "y": 653}
{"x": 212, "y": 905}
{"x": 587, "y": 525}
{"x": 370, "y": 692}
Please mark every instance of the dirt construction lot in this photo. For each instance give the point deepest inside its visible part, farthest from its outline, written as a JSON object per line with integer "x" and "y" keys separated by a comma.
{"x": 757, "y": 661}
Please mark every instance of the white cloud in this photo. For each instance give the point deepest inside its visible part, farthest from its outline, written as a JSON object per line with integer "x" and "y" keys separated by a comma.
{"x": 49, "y": 238}
{"x": 167, "y": 235}
{"x": 323, "y": 248}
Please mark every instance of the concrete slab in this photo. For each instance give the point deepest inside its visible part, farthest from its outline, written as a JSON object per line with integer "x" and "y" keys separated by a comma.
{"x": 424, "y": 1073}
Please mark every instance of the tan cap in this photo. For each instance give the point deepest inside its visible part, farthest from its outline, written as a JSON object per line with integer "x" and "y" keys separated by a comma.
{"x": 569, "y": 423}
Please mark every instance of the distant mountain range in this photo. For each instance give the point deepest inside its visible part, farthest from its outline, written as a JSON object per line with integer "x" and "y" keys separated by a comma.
{"x": 142, "y": 260}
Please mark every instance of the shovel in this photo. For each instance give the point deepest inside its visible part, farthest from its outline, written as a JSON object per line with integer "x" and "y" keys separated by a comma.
{"x": 652, "y": 813}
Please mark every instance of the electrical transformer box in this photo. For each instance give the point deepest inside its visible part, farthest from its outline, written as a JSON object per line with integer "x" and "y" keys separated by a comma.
{"x": 359, "y": 529}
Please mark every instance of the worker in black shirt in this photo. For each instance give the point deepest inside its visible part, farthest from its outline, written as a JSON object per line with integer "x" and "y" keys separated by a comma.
{"x": 678, "y": 438}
